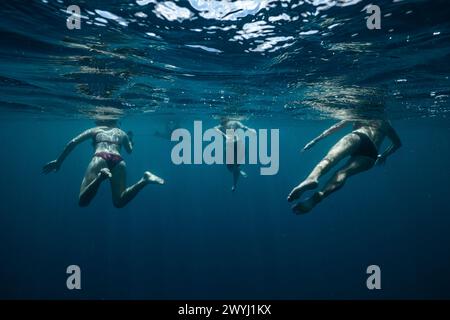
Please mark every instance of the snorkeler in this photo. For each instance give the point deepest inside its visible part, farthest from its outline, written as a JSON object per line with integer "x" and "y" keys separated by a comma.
{"x": 237, "y": 145}
{"x": 106, "y": 163}
{"x": 361, "y": 145}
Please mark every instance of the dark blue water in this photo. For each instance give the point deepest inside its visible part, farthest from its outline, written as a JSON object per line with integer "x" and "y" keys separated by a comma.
{"x": 193, "y": 238}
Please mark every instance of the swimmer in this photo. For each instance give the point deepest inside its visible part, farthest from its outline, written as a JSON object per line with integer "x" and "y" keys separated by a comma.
{"x": 361, "y": 146}
{"x": 237, "y": 144}
{"x": 107, "y": 163}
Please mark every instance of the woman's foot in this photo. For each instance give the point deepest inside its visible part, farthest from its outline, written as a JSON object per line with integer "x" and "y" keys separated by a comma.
{"x": 302, "y": 187}
{"x": 307, "y": 205}
{"x": 152, "y": 179}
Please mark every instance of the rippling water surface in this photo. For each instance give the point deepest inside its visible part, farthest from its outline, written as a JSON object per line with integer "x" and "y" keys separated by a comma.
{"x": 306, "y": 59}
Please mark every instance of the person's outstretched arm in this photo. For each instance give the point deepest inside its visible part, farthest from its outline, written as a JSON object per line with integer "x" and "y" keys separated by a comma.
{"x": 56, "y": 164}
{"x": 219, "y": 129}
{"x": 244, "y": 127}
{"x": 326, "y": 133}
{"x": 395, "y": 145}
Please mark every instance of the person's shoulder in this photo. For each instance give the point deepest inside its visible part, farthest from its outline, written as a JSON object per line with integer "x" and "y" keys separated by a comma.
{"x": 384, "y": 124}
{"x": 121, "y": 131}
{"x": 235, "y": 124}
{"x": 387, "y": 127}
{"x": 94, "y": 130}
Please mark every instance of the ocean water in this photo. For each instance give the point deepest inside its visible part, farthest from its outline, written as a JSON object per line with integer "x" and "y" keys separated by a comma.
{"x": 296, "y": 66}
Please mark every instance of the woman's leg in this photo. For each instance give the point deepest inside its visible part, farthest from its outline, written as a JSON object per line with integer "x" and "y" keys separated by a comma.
{"x": 354, "y": 166}
{"x": 96, "y": 172}
{"x": 236, "y": 173}
{"x": 343, "y": 148}
{"x": 122, "y": 196}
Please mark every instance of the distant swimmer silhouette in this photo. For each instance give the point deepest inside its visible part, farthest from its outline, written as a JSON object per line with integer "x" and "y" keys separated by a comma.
{"x": 361, "y": 145}
{"x": 169, "y": 127}
{"x": 233, "y": 141}
{"x": 106, "y": 163}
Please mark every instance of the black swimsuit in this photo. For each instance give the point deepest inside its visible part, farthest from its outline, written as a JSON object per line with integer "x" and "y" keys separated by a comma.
{"x": 366, "y": 146}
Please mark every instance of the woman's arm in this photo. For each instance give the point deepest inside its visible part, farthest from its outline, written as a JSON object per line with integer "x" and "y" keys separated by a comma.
{"x": 244, "y": 127}
{"x": 395, "y": 145}
{"x": 219, "y": 129}
{"x": 56, "y": 164}
{"x": 128, "y": 141}
{"x": 326, "y": 133}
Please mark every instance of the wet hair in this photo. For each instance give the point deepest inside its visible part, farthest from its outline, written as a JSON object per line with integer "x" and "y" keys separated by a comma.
{"x": 107, "y": 122}
{"x": 224, "y": 120}
{"x": 373, "y": 105}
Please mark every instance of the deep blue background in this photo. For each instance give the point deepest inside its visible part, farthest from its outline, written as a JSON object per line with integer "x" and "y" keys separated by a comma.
{"x": 193, "y": 238}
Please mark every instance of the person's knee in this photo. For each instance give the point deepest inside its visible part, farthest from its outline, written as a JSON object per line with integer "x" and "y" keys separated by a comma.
{"x": 341, "y": 175}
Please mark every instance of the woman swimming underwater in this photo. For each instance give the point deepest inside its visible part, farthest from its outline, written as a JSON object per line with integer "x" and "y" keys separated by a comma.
{"x": 107, "y": 163}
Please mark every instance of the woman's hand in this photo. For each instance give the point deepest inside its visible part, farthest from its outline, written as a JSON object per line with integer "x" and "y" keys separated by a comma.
{"x": 309, "y": 145}
{"x": 51, "y": 166}
{"x": 381, "y": 160}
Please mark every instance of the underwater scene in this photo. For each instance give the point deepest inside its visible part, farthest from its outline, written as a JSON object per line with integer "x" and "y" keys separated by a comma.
{"x": 225, "y": 149}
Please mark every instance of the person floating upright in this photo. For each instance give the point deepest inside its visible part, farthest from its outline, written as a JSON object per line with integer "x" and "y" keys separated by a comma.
{"x": 233, "y": 142}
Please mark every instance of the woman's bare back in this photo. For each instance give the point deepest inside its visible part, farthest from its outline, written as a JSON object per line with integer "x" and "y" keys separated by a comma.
{"x": 109, "y": 139}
